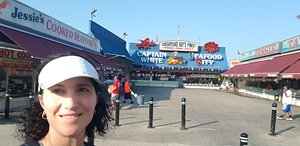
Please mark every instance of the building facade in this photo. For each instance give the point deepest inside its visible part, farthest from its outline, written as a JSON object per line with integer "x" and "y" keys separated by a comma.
{"x": 178, "y": 60}
{"x": 269, "y": 68}
{"x": 114, "y": 49}
{"x": 27, "y": 36}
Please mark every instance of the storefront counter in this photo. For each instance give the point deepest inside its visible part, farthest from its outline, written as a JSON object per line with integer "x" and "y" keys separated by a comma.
{"x": 148, "y": 83}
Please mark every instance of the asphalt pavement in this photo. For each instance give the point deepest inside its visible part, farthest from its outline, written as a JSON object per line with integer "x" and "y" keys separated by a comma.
{"x": 213, "y": 118}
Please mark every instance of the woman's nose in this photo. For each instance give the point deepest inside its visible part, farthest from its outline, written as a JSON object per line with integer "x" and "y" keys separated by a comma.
{"x": 71, "y": 101}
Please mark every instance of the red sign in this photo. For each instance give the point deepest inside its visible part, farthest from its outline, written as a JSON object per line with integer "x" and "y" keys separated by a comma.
{"x": 14, "y": 54}
{"x": 145, "y": 44}
{"x": 266, "y": 50}
{"x": 211, "y": 47}
{"x": 13, "y": 63}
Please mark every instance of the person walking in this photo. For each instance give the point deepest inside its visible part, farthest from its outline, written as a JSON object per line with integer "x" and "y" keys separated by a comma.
{"x": 286, "y": 104}
{"x": 115, "y": 92}
{"x": 127, "y": 91}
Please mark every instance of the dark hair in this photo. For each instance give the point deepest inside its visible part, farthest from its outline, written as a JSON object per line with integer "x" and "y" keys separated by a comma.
{"x": 31, "y": 125}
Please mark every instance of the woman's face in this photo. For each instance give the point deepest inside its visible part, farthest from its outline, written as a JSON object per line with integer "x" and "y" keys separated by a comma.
{"x": 69, "y": 105}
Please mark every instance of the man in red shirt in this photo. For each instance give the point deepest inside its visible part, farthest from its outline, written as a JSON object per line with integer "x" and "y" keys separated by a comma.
{"x": 115, "y": 92}
{"x": 127, "y": 91}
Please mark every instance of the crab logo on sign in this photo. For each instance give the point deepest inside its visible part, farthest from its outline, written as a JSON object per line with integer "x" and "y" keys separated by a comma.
{"x": 211, "y": 47}
{"x": 145, "y": 44}
{"x": 3, "y": 5}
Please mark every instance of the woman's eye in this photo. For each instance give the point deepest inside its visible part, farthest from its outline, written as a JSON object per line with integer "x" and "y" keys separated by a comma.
{"x": 58, "y": 91}
{"x": 83, "y": 89}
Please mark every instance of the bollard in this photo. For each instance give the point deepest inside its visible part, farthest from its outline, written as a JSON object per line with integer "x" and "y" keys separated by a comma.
{"x": 183, "y": 101}
{"x": 273, "y": 119}
{"x": 244, "y": 139}
{"x": 7, "y": 103}
{"x": 150, "y": 113}
{"x": 30, "y": 100}
{"x": 117, "y": 111}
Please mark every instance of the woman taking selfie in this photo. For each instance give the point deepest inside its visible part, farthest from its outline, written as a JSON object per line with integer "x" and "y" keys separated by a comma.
{"x": 69, "y": 106}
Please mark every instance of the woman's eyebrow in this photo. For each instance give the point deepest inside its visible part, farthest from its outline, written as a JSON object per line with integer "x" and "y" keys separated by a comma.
{"x": 85, "y": 84}
{"x": 57, "y": 85}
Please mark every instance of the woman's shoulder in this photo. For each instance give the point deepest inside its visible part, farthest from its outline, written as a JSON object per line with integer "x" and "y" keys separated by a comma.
{"x": 31, "y": 143}
{"x": 36, "y": 143}
{"x": 87, "y": 144}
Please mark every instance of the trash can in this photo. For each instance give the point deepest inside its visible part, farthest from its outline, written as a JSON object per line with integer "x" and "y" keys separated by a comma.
{"x": 140, "y": 99}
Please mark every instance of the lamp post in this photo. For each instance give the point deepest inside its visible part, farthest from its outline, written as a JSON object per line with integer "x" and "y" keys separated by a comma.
{"x": 93, "y": 14}
{"x": 124, "y": 35}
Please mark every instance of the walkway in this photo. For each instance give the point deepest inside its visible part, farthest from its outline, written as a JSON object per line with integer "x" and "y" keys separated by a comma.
{"x": 213, "y": 118}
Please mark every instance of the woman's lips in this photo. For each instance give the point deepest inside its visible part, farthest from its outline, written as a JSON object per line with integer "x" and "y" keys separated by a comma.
{"x": 70, "y": 116}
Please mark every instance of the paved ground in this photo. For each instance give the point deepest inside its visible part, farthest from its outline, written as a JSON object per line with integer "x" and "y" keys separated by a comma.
{"x": 213, "y": 118}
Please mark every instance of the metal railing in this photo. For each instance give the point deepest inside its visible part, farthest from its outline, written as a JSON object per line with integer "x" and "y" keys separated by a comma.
{"x": 296, "y": 93}
{"x": 15, "y": 103}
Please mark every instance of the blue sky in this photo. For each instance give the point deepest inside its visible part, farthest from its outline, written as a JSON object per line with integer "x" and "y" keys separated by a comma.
{"x": 242, "y": 25}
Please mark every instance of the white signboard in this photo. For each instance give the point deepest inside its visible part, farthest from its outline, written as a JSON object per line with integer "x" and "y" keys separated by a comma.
{"x": 178, "y": 45}
{"x": 21, "y": 14}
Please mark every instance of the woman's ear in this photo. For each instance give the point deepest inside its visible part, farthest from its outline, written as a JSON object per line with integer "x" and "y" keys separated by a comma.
{"x": 40, "y": 98}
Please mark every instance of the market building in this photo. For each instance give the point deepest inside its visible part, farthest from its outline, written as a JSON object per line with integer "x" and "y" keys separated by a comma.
{"x": 113, "y": 47}
{"x": 176, "y": 63}
{"x": 267, "y": 69}
{"x": 27, "y": 36}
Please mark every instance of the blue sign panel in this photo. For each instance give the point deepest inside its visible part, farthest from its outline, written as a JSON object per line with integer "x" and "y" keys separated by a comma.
{"x": 152, "y": 57}
{"x": 261, "y": 52}
{"x": 291, "y": 44}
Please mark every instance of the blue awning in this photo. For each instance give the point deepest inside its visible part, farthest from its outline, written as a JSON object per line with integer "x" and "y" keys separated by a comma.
{"x": 111, "y": 44}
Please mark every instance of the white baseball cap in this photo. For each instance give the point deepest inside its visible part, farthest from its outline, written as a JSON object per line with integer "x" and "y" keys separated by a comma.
{"x": 65, "y": 68}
